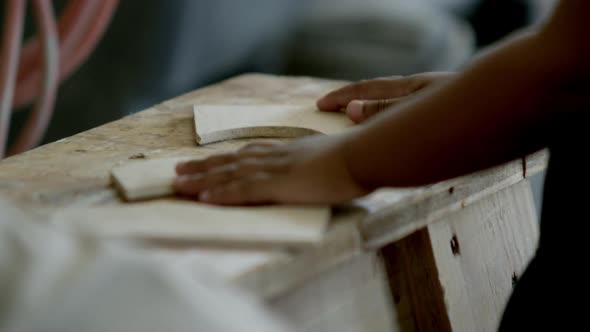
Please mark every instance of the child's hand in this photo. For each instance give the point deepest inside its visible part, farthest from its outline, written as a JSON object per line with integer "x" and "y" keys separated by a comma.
{"x": 310, "y": 170}
{"x": 364, "y": 99}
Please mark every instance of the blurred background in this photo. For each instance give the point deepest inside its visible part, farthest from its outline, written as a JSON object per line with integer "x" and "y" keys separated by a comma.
{"x": 154, "y": 50}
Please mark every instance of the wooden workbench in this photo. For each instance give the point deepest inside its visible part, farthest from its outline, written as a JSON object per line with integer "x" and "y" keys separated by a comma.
{"x": 437, "y": 258}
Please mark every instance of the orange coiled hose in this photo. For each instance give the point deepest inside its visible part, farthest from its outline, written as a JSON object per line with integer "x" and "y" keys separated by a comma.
{"x": 45, "y": 61}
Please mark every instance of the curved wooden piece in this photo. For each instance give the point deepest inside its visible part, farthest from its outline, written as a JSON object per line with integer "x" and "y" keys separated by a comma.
{"x": 215, "y": 123}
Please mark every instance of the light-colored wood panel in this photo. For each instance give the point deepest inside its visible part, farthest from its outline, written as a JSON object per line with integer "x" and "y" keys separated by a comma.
{"x": 480, "y": 252}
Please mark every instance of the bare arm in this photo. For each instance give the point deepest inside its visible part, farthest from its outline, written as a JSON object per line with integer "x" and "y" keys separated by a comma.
{"x": 494, "y": 111}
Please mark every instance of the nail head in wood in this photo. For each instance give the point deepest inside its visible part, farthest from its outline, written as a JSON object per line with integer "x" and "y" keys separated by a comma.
{"x": 455, "y": 245}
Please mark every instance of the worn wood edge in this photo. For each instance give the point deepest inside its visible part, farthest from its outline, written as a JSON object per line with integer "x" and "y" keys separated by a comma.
{"x": 536, "y": 163}
{"x": 391, "y": 225}
{"x": 176, "y": 243}
{"x": 119, "y": 188}
{"x": 394, "y": 223}
{"x": 342, "y": 242}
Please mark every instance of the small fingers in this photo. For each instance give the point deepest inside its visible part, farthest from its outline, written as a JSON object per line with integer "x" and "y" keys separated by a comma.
{"x": 193, "y": 184}
{"x": 254, "y": 150}
{"x": 380, "y": 88}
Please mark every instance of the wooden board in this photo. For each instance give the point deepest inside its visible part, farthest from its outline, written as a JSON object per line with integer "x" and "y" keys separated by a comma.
{"x": 214, "y": 123}
{"x": 74, "y": 172}
{"x": 202, "y": 224}
{"x": 458, "y": 272}
{"x": 143, "y": 179}
{"x": 480, "y": 253}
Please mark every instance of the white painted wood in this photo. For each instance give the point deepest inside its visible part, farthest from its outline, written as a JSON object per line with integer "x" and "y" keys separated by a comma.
{"x": 203, "y": 224}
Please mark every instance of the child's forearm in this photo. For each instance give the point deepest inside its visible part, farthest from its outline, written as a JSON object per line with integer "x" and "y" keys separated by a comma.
{"x": 491, "y": 113}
